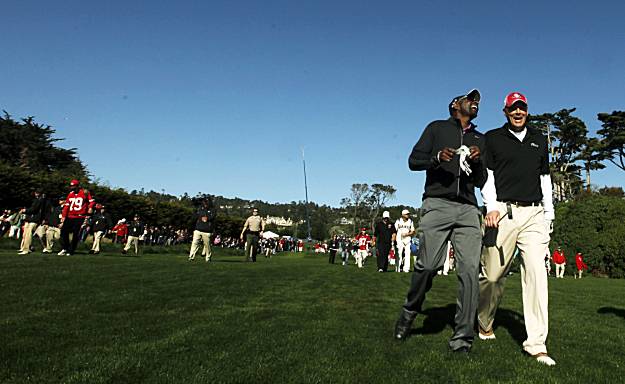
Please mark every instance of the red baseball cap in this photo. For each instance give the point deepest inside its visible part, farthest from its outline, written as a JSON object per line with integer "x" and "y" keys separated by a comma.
{"x": 99, "y": 206}
{"x": 513, "y": 98}
{"x": 74, "y": 182}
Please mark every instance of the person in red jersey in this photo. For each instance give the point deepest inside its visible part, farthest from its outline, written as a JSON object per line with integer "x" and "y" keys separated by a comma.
{"x": 78, "y": 206}
{"x": 560, "y": 261}
{"x": 579, "y": 263}
{"x": 363, "y": 240}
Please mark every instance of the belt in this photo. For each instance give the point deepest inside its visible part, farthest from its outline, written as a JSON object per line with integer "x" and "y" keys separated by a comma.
{"x": 524, "y": 203}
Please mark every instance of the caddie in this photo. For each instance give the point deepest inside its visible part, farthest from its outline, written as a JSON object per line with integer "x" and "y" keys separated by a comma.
{"x": 449, "y": 151}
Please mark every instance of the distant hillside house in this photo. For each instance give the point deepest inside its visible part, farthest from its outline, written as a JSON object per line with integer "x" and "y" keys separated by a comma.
{"x": 279, "y": 221}
{"x": 346, "y": 221}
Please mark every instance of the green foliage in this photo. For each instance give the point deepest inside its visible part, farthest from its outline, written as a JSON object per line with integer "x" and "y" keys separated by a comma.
{"x": 595, "y": 225}
{"x": 613, "y": 134}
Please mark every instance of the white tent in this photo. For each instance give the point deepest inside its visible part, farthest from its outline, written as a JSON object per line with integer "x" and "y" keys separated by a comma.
{"x": 270, "y": 235}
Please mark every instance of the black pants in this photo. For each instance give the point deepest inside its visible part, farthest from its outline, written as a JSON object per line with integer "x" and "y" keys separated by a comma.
{"x": 332, "y": 256}
{"x": 383, "y": 251}
{"x": 251, "y": 246}
{"x": 71, "y": 226}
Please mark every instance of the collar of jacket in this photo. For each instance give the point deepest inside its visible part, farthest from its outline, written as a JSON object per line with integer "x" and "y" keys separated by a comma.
{"x": 456, "y": 122}
{"x": 530, "y": 131}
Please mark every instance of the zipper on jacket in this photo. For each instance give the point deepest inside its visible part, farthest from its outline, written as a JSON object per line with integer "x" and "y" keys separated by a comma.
{"x": 459, "y": 169}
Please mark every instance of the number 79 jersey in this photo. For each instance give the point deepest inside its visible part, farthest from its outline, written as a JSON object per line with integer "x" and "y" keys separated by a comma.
{"x": 77, "y": 204}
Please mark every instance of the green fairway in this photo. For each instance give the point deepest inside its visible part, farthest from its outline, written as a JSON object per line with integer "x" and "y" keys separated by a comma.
{"x": 158, "y": 318}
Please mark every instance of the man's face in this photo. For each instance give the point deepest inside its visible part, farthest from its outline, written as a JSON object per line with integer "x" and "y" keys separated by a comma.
{"x": 517, "y": 115}
{"x": 405, "y": 217}
{"x": 255, "y": 212}
{"x": 468, "y": 107}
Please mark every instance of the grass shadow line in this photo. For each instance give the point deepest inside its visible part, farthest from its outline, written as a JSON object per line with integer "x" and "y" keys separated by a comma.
{"x": 612, "y": 310}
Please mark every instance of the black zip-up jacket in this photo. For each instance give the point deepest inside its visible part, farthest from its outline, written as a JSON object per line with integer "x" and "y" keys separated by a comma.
{"x": 35, "y": 212}
{"x": 136, "y": 228}
{"x": 101, "y": 222}
{"x": 208, "y": 225}
{"x": 446, "y": 179}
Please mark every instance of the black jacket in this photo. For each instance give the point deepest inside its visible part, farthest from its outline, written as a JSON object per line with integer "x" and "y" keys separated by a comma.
{"x": 136, "y": 228}
{"x": 35, "y": 213}
{"x": 209, "y": 224}
{"x": 101, "y": 222}
{"x": 446, "y": 179}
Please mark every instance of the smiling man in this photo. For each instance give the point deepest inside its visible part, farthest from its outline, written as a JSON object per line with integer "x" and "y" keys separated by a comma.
{"x": 519, "y": 209}
{"x": 449, "y": 151}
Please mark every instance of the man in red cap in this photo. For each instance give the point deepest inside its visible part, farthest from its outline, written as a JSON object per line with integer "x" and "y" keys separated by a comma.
{"x": 363, "y": 240}
{"x": 519, "y": 206}
{"x": 78, "y": 206}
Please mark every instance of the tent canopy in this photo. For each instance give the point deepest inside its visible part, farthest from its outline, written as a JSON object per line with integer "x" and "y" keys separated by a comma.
{"x": 270, "y": 235}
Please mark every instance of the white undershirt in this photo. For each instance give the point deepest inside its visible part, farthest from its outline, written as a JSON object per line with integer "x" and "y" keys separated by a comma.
{"x": 519, "y": 135}
{"x": 489, "y": 191}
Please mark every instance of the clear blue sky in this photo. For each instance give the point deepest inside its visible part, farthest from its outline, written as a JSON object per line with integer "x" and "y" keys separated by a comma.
{"x": 219, "y": 96}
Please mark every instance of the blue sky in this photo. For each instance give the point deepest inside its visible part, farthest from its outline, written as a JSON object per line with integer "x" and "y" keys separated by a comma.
{"x": 220, "y": 96}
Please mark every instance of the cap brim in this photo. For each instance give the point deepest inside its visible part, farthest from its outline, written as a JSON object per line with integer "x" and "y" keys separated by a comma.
{"x": 474, "y": 95}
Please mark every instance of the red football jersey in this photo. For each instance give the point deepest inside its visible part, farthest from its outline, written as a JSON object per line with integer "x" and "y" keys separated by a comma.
{"x": 363, "y": 242}
{"x": 77, "y": 204}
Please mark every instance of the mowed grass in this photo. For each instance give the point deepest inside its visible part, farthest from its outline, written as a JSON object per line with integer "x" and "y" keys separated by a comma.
{"x": 157, "y": 318}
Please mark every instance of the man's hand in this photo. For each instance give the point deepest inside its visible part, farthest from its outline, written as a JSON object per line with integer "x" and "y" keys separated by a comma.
{"x": 446, "y": 154}
{"x": 492, "y": 219}
{"x": 475, "y": 153}
{"x": 241, "y": 237}
{"x": 549, "y": 225}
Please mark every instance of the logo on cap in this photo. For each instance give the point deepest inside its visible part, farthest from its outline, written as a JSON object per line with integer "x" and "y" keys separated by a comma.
{"x": 513, "y": 98}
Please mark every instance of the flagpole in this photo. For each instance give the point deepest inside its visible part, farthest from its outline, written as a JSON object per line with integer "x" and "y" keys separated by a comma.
{"x": 306, "y": 190}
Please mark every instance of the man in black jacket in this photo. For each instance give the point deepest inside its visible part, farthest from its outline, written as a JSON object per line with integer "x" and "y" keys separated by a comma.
{"x": 204, "y": 227}
{"x": 135, "y": 229}
{"x": 384, "y": 235}
{"x": 449, "y": 151}
{"x": 101, "y": 223}
{"x": 32, "y": 219}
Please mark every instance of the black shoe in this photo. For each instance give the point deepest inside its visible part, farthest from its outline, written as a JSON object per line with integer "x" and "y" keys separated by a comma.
{"x": 403, "y": 324}
{"x": 96, "y": 253}
{"x": 124, "y": 252}
{"x": 91, "y": 251}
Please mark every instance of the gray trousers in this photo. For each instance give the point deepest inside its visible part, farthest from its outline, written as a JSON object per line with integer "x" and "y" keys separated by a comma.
{"x": 444, "y": 220}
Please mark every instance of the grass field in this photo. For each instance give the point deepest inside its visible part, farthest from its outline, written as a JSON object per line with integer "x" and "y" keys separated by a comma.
{"x": 157, "y": 318}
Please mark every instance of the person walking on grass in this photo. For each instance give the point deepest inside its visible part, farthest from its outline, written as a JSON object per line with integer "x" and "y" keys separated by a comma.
{"x": 579, "y": 263}
{"x": 76, "y": 210}
{"x": 101, "y": 225}
{"x": 252, "y": 230}
{"x": 334, "y": 247}
{"x": 135, "y": 230}
{"x": 362, "y": 242}
{"x": 449, "y": 151}
{"x": 560, "y": 261}
{"x": 384, "y": 236}
{"x": 519, "y": 207}
{"x": 405, "y": 229}
{"x": 204, "y": 227}
{"x": 32, "y": 218}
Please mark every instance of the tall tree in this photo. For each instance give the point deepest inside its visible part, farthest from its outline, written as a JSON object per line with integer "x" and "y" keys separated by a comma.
{"x": 566, "y": 135}
{"x": 591, "y": 155}
{"x": 613, "y": 137}
{"x": 377, "y": 198}
{"x": 355, "y": 201}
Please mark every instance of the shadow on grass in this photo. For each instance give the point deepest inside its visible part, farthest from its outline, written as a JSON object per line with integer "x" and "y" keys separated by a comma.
{"x": 615, "y": 311}
{"x": 513, "y": 322}
{"x": 436, "y": 319}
